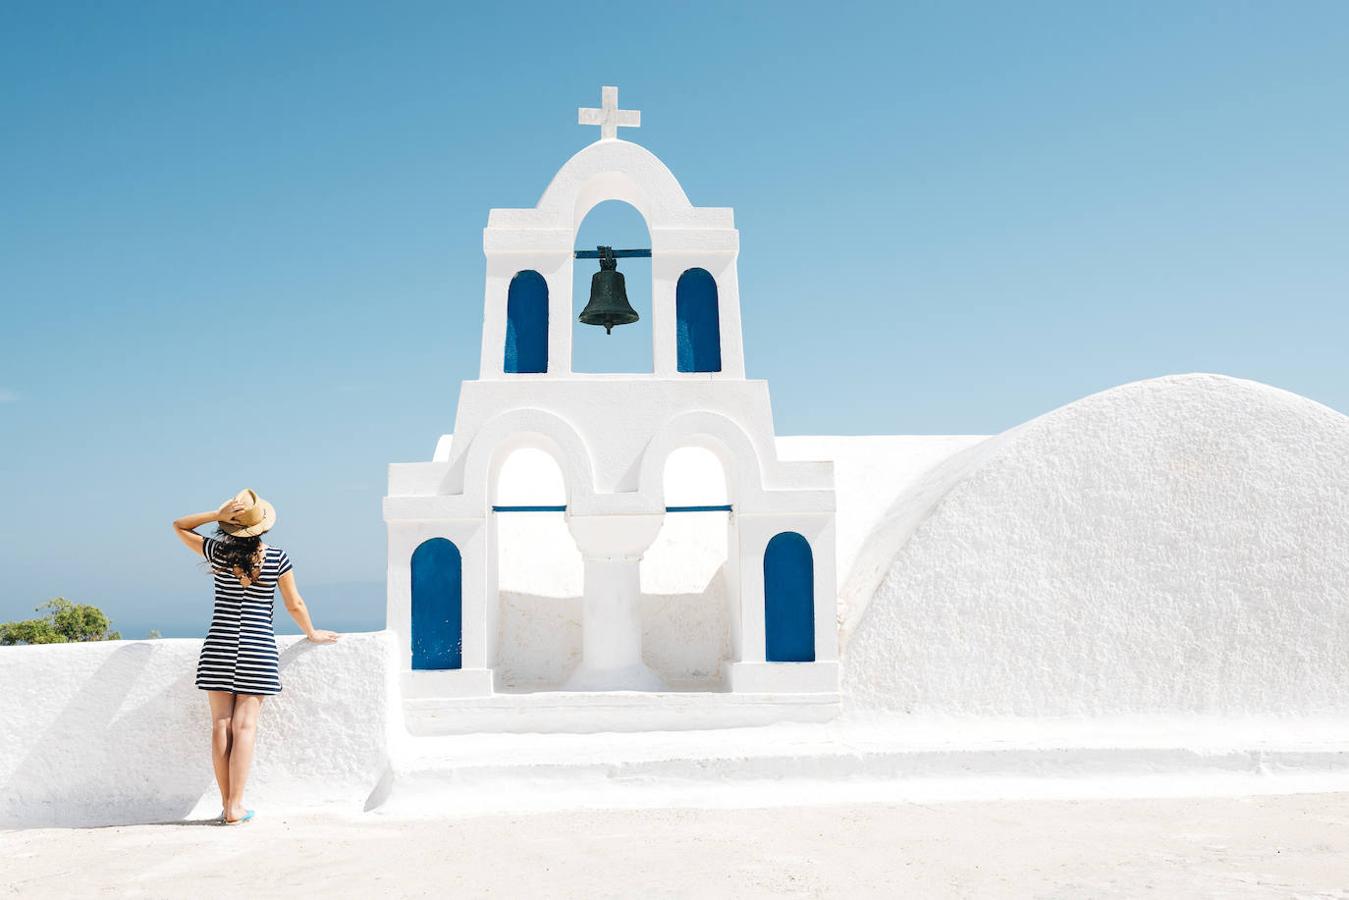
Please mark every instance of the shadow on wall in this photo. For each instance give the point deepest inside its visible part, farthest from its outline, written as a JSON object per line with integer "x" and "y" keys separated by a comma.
{"x": 685, "y": 638}
{"x": 99, "y": 763}
{"x": 118, "y": 733}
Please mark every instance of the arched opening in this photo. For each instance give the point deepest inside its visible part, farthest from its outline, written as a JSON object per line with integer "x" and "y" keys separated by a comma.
{"x": 539, "y": 574}
{"x": 685, "y": 598}
{"x": 694, "y": 476}
{"x": 437, "y": 606}
{"x": 627, "y": 348}
{"x": 789, "y": 599}
{"x": 697, "y": 323}
{"x": 527, "y": 324}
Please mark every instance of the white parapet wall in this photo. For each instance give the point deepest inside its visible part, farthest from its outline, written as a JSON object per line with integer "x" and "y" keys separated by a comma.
{"x": 116, "y": 732}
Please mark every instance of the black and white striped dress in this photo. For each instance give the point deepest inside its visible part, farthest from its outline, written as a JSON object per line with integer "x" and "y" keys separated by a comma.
{"x": 239, "y": 653}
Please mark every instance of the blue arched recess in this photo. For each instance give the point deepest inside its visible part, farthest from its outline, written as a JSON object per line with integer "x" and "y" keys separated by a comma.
{"x": 697, "y": 324}
{"x": 789, "y": 599}
{"x": 527, "y": 324}
{"x": 437, "y": 606}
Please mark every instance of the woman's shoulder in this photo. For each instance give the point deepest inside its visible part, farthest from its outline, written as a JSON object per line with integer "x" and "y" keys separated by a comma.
{"x": 278, "y": 557}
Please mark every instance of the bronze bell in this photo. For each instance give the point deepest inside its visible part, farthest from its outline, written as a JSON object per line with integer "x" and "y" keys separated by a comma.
{"x": 608, "y": 304}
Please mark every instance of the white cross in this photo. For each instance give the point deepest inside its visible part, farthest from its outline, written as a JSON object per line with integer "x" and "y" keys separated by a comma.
{"x": 609, "y": 117}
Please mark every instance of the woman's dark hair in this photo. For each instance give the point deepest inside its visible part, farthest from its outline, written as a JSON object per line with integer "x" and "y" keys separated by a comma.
{"x": 234, "y": 551}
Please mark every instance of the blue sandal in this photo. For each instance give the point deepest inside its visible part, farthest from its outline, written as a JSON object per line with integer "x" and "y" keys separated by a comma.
{"x": 248, "y": 814}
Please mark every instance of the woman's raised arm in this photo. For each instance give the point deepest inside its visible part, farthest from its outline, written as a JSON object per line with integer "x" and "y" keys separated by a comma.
{"x": 185, "y": 527}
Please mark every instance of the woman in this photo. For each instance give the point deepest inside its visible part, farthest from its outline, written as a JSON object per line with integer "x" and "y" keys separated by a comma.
{"x": 238, "y": 662}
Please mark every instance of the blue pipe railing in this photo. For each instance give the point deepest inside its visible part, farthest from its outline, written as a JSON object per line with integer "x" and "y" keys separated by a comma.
{"x": 725, "y": 507}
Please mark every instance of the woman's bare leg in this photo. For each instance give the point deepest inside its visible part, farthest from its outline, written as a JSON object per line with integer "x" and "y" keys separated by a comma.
{"x": 222, "y": 711}
{"x": 244, "y": 726}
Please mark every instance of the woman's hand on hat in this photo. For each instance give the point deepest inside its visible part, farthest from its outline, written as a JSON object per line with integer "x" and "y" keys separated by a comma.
{"x": 320, "y": 636}
{"x": 229, "y": 510}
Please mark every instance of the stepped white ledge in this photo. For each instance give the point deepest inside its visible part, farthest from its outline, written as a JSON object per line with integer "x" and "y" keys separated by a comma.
{"x": 591, "y": 712}
{"x": 447, "y": 683}
{"x": 782, "y": 677}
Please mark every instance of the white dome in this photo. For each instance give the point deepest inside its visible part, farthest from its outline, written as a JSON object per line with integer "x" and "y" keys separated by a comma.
{"x": 1179, "y": 544}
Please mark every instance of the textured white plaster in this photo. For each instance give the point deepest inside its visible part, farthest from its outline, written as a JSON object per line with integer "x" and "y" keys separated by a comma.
{"x": 539, "y": 640}
{"x": 870, "y": 472}
{"x": 540, "y": 567}
{"x": 683, "y": 607}
{"x": 1173, "y": 545}
{"x": 116, "y": 731}
{"x": 685, "y": 638}
{"x": 538, "y": 554}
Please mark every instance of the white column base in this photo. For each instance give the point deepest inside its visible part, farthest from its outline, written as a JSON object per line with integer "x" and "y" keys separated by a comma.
{"x": 637, "y": 677}
{"x": 447, "y": 683}
{"x": 781, "y": 677}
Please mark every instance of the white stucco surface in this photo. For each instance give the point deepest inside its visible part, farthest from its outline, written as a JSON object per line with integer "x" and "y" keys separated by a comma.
{"x": 117, "y": 731}
{"x": 1173, "y": 545}
{"x": 870, "y": 472}
{"x": 684, "y": 604}
{"x": 685, "y": 638}
{"x": 538, "y": 554}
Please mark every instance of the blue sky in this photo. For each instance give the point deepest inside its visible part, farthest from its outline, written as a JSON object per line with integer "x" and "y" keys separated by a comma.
{"x": 241, "y": 243}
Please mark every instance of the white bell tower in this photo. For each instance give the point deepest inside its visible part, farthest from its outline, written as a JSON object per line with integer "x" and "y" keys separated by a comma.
{"x": 610, "y": 434}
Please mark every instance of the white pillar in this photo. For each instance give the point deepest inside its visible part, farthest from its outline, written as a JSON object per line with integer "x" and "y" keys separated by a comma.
{"x": 611, "y": 617}
{"x": 612, "y": 635}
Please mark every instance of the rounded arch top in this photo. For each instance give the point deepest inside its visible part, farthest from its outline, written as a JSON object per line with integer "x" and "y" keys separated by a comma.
{"x": 614, "y": 170}
{"x": 727, "y": 440}
{"x": 534, "y": 428}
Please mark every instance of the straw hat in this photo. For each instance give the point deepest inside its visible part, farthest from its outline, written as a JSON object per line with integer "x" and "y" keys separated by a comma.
{"x": 256, "y": 517}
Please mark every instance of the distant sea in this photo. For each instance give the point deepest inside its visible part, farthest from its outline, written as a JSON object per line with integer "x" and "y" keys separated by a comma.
{"x": 348, "y": 606}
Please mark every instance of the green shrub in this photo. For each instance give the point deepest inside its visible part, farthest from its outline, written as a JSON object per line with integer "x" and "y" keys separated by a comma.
{"x": 65, "y": 622}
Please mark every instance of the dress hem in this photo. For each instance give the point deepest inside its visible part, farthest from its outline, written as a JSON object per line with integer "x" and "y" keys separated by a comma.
{"x": 233, "y": 691}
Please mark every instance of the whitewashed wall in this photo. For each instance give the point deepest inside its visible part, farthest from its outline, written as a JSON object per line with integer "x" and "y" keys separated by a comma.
{"x": 116, "y": 732}
{"x": 685, "y": 638}
{"x": 1174, "y": 545}
{"x": 685, "y": 611}
{"x": 685, "y": 608}
{"x": 1177, "y": 545}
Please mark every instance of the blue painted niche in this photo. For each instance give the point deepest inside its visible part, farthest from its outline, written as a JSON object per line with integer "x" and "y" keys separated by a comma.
{"x": 527, "y": 324}
{"x": 697, "y": 324}
{"x": 437, "y": 606}
{"x": 789, "y": 599}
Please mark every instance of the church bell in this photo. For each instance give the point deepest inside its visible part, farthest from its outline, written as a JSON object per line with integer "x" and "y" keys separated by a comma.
{"x": 608, "y": 304}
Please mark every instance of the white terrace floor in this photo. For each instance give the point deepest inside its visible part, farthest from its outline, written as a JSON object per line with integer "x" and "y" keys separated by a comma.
{"x": 1284, "y": 846}
{"x": 874, "y": 807}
